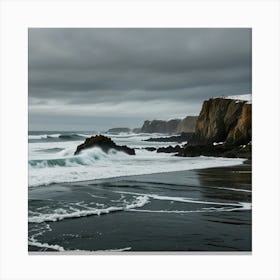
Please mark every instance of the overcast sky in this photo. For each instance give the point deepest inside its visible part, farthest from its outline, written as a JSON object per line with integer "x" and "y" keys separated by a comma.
{"x": 95, "y": 79}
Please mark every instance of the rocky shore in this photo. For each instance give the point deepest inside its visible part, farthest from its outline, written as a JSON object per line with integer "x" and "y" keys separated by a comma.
{"x": 223, "y": 129}
{"x": 183, "y": 137}
{"x": 224, "y": 120}
{"x": 104, "y": 143}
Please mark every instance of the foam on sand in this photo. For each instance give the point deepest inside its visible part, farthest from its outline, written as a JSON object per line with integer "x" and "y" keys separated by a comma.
{"x": 60, "y": 213}
{"x": 226, "y": 206}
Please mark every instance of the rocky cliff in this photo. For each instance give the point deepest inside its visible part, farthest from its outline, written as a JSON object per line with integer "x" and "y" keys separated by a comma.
{"x": 171, "y": 126}
{"x": 223, "y": 120}
{"x": 187, "y": 124}
{"x": 159, "y": 126}
{"x": 242, "y": 132}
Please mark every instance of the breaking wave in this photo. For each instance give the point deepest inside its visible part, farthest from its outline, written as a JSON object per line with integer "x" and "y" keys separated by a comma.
{"x": 87, "y": 157}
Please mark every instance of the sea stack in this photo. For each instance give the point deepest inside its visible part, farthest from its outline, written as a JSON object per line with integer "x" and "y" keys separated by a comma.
{"x": 104, "y": 143}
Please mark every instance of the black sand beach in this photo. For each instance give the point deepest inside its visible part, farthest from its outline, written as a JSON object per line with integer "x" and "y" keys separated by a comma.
{"x": 195, "y": 210}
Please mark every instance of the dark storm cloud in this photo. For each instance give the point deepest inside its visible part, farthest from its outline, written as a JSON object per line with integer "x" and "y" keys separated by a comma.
{"x": 109, "y": 66}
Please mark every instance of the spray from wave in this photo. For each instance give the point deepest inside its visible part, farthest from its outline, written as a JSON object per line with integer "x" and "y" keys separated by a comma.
{"x": 87, "y": 157}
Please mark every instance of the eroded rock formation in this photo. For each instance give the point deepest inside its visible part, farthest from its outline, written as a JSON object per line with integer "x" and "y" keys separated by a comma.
{"x": 223, "y": 120}
{"x": 104, "y": 143}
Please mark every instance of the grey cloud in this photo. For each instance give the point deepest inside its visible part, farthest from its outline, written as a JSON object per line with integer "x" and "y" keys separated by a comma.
{"x": 95, "y": 66}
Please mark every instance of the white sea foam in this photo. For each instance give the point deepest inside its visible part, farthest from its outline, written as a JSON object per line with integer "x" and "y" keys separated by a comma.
{"x": 46, "y": 245}
{"x": 60, "y": 213}
{"x": 181, "y": 199}
{"x": 203, "y": 210}
{"x": 95, "y": 164}
{"x": 62, "y": 249}
{"x": 108, "y": 250}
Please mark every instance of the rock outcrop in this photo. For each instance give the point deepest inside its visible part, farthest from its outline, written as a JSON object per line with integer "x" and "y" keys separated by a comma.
{"x": 241, "y": 151}
{"x": 187, "y": 124}
{"x": 223, "y": 120}
{"x": 104, "y": 143}
{"x": 169, "y": 149}
{"x": 183, "y": 137}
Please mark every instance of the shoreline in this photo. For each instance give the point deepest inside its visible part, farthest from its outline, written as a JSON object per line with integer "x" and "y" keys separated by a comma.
{"x": 174, "y": 215}
{"x": 245, "y": 161}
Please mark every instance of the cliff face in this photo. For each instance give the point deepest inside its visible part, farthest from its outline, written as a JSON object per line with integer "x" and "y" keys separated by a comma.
{"x": 159, "y": 126}
{"x": 242, "y": 132}
{"x": 223, "y": 120}
{"x": 187, "y": 124}
{"x": 172, "y": 126}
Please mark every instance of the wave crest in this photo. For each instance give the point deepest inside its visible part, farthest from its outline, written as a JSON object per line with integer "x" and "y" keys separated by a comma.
{"x": 87, "y": 157}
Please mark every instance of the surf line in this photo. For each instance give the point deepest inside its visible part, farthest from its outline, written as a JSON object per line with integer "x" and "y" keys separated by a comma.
{"x": 188, "y": 200}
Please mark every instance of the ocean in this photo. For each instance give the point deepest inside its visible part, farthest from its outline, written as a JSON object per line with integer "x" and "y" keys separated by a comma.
{"x": 151, "y": 202}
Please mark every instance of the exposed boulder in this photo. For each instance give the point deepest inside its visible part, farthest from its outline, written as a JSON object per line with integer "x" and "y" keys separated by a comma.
{"x": 104, "y": 143}
{"x": 187, "y": 124}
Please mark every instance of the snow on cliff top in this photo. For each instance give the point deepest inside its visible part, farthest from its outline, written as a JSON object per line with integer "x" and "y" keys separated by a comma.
{"x": 243, "y": 97}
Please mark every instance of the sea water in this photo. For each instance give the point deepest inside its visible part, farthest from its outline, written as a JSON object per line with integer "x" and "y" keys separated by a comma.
{"x": 98, "y": 201}
{"x": 52, "y": 160}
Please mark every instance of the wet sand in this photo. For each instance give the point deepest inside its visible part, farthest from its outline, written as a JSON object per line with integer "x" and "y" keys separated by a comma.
{"x": 205, "y": 210}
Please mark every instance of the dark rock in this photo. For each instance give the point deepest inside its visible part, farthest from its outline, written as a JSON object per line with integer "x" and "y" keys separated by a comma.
{"x": 104, "y": 143}
{"x": 223, "y": 120}
{"x": 242, "y": 132}
{"x": 119, "y": 130}
{"x": 228, "y": 151}
{"x": 169, "y": 149}
{"x": 185, "y": 136}
{"x": 150, "y": 149}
